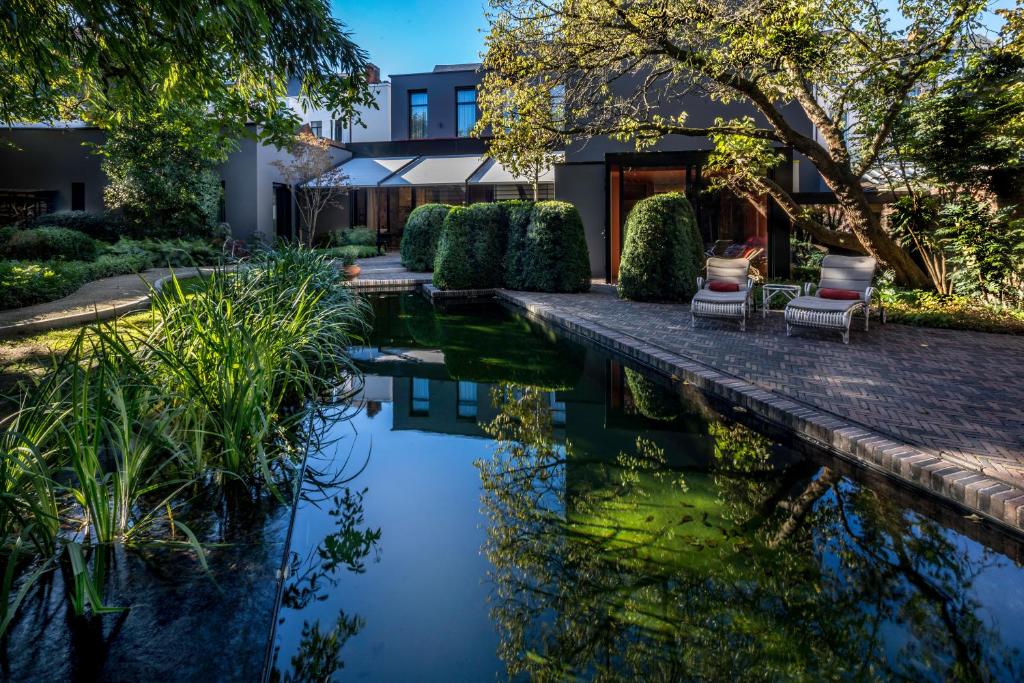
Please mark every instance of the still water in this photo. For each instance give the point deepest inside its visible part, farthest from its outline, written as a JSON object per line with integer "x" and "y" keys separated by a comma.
{"x": 507, "y": 504}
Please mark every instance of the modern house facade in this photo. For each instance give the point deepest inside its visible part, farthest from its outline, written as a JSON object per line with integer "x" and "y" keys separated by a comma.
{"x": 430, "y": 156}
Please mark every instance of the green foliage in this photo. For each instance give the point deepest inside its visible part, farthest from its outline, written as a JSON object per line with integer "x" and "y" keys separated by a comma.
{"x": 652, "y": 400}
{"x": 471, "y": 248}
{"x": 980, "y": 115}
{"x": 351, "y": 251}
{"x": 131, "y": 422}
{"x": 662, "y": 255}
{"x": 986, "y": 248}
{"x": 100, "y": 226}
{"x": 172, "y": 252}
{"x": 359, "y": 235}
{"x": 420, "y": 236}
{"x": 46, "y": 243}
{"x": 162, "y": 174}
{"x": 24, "y": 283}
{"x": 556, "y": 257}
{"x": 112, "y": 63}
{"x": 519, "y": 213}
{"x": 956, "y": 312}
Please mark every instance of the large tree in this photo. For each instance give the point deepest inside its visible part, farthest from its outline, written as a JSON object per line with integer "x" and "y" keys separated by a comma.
{"x": 108, "y": 61}
{"x": 626, "y": 66}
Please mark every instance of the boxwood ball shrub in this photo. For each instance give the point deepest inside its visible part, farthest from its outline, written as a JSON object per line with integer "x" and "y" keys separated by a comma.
{"x": 471, "y": 248}
{"x": 662, "y": 255}
{"x": 517, "y": 213}
{"x": 420, "y": 236}
{"x": 50, "y": 243}
{"x": 556, "y": 257}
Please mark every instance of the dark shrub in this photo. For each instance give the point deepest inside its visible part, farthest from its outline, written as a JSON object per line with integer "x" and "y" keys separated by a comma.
{"x": 662, "y": 255}
{"x": 177, "y": 252}
{"x": 420, "y": 236}
{"x": 556, "y": 257}
{"x": 25, "y": 283}
{"x": 471, "y": 248}
{"x": 6, "y": 233}
{"x": 517, "y": 212}
{"x": 359, "y": 236}
{"x": 100, "y": 226}
{"x": 49, "y": 243}
{"x": 652, "y": 400}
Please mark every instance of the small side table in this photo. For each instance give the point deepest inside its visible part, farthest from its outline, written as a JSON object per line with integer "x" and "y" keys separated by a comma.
{"x": 770, "y": 291}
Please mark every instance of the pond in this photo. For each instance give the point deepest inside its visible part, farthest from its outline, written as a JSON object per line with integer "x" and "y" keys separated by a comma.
{"x": 503, "y": 502}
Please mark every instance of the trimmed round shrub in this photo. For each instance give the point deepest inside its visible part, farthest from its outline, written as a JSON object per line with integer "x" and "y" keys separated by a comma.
{"x": 471, "y": 248}
{"x": 100, "y": 226}
{"x": 517, "y": 213}
{"x": 420, "y": 236}
{"x": 556, "y": 257}
{"x": 663, "y": 254}
{"x": 652, "y": 400}
{"x": 50, "y": 243}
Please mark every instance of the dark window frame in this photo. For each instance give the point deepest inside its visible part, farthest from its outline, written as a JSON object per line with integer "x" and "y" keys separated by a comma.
{"x": 426, "y": 113}
{"x": 458, "y": 107}
{"x": 317, "y": 128}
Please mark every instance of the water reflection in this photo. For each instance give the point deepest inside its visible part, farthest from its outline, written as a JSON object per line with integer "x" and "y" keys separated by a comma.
{"x": 623, "y": 568}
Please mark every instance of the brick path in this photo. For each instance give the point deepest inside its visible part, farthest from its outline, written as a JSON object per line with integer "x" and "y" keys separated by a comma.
{"x": 958, "y": 395}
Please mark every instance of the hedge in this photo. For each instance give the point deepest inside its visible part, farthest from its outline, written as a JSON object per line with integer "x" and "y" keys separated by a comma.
{"x": 420, "y": 236}
{"x": 471, "y": 248}
{"x": 49, "y": 243}
{"x": 556, "y": 257}
{"x": 26, "y": 283}
{"x": 662, "y": 255}
{"x": 360, "y": 236}
{"x": 517, "y": 212}
{"x": 100, "y": 226}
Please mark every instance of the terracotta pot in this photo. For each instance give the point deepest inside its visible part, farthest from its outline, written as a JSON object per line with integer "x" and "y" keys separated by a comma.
{"x": 352, "y": 272}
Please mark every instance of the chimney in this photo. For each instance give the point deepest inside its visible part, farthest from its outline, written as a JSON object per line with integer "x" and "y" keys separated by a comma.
{"x": 372, "y": 73}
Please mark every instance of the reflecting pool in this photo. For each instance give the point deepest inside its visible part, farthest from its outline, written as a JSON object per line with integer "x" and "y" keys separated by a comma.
{"x": 508, "y": 504}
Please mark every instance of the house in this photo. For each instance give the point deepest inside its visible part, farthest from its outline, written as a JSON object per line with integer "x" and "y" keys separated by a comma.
{"x": 430, "y": 156}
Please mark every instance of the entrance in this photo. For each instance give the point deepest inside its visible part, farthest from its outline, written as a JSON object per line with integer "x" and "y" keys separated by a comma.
{"x": 283, "y": 228}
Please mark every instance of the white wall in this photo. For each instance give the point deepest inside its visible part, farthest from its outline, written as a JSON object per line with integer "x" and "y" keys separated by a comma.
{"x": 377, "y": 121}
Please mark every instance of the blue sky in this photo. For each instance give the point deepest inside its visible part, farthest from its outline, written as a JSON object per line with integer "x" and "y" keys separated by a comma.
{"x": 406, "y": 36}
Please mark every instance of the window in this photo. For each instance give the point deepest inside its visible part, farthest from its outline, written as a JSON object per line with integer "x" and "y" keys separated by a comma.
{"x": 467, "y": 400}
{"x": 420, "y": 396}
{"x": 339, "y": 130}
{"x": 417, "y": 114}
{"x": 316, "y": 128}
{"x": 78, "y": 196}
{"x": 557, "y": 410}
{"x": 465, "y": 106}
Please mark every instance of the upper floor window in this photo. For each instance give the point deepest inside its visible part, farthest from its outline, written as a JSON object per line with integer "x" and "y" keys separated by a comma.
{"x": 316, "y": 128}
{"x": 418, "y": 114}
{"x": 339, "y": 130}
{"x": 465, "y": 106}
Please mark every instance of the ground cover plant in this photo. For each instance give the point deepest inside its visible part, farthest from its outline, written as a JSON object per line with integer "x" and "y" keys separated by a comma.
{"x": 133, "y": 420}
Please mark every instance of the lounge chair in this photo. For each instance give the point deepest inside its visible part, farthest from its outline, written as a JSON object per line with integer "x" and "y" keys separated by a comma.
{"x": 724, "y": 274}
{"x": 844, "y": 288}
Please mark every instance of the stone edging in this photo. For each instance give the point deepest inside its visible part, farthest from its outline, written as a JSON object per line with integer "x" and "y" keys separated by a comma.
{"x": 383, "y": 286}
{"x": 979, "y": 493}
{"x": 435, "y": 294}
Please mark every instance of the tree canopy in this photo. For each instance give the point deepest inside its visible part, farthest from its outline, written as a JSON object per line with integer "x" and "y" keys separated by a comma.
{"x": 627, "y": 68}
{"x": 106, "y": 62}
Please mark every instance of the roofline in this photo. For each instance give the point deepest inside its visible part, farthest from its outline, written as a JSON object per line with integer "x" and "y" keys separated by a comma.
{"x": 431, "y": 73}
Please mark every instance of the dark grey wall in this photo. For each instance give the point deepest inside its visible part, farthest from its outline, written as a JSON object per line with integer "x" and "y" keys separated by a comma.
{"x": 239, "y": 176}
{"x": 440, "y": 87}
{"x": 584, "y": 186}
{"x": 52, "y": 159}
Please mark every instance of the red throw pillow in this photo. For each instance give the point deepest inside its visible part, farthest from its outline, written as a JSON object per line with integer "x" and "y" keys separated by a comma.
{"x": 723, "y": 286}
{"x": 841, "y": 294}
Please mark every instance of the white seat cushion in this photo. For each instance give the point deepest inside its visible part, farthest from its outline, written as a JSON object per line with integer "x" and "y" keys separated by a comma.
{"x": 721, "y": 297}
{"x": 816, "y": 303}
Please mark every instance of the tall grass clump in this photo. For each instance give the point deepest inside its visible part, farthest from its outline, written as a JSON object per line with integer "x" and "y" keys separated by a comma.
{"x": 109, "y": 446}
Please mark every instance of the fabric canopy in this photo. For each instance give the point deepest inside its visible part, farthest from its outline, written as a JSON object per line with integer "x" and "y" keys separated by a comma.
{"x": 369, "y": 171}
{"x": 493, "y": 173}
{"x": 418, "y": 171}
{"x": 447, "y": 170}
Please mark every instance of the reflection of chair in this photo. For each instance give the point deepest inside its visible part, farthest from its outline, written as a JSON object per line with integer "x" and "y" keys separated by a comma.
{"x": 844, "y": 287}
{"x": 718, "y": 248}
{"x": 726, "y": 293}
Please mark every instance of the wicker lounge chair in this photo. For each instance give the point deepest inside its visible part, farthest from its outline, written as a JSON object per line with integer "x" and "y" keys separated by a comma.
{"x": 843, "y": 273}
{"x": 730, "y": 305}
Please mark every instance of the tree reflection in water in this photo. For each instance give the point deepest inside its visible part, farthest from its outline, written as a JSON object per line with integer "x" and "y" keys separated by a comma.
{"x": 311, "y": 578}
{"x": 627, "y": 570}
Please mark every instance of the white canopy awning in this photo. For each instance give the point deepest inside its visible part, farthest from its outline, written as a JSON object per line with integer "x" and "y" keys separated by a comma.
{"x": 369, "y": 171}
{"x": 493, "y": 173}
{"x": 446, "y": 170}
